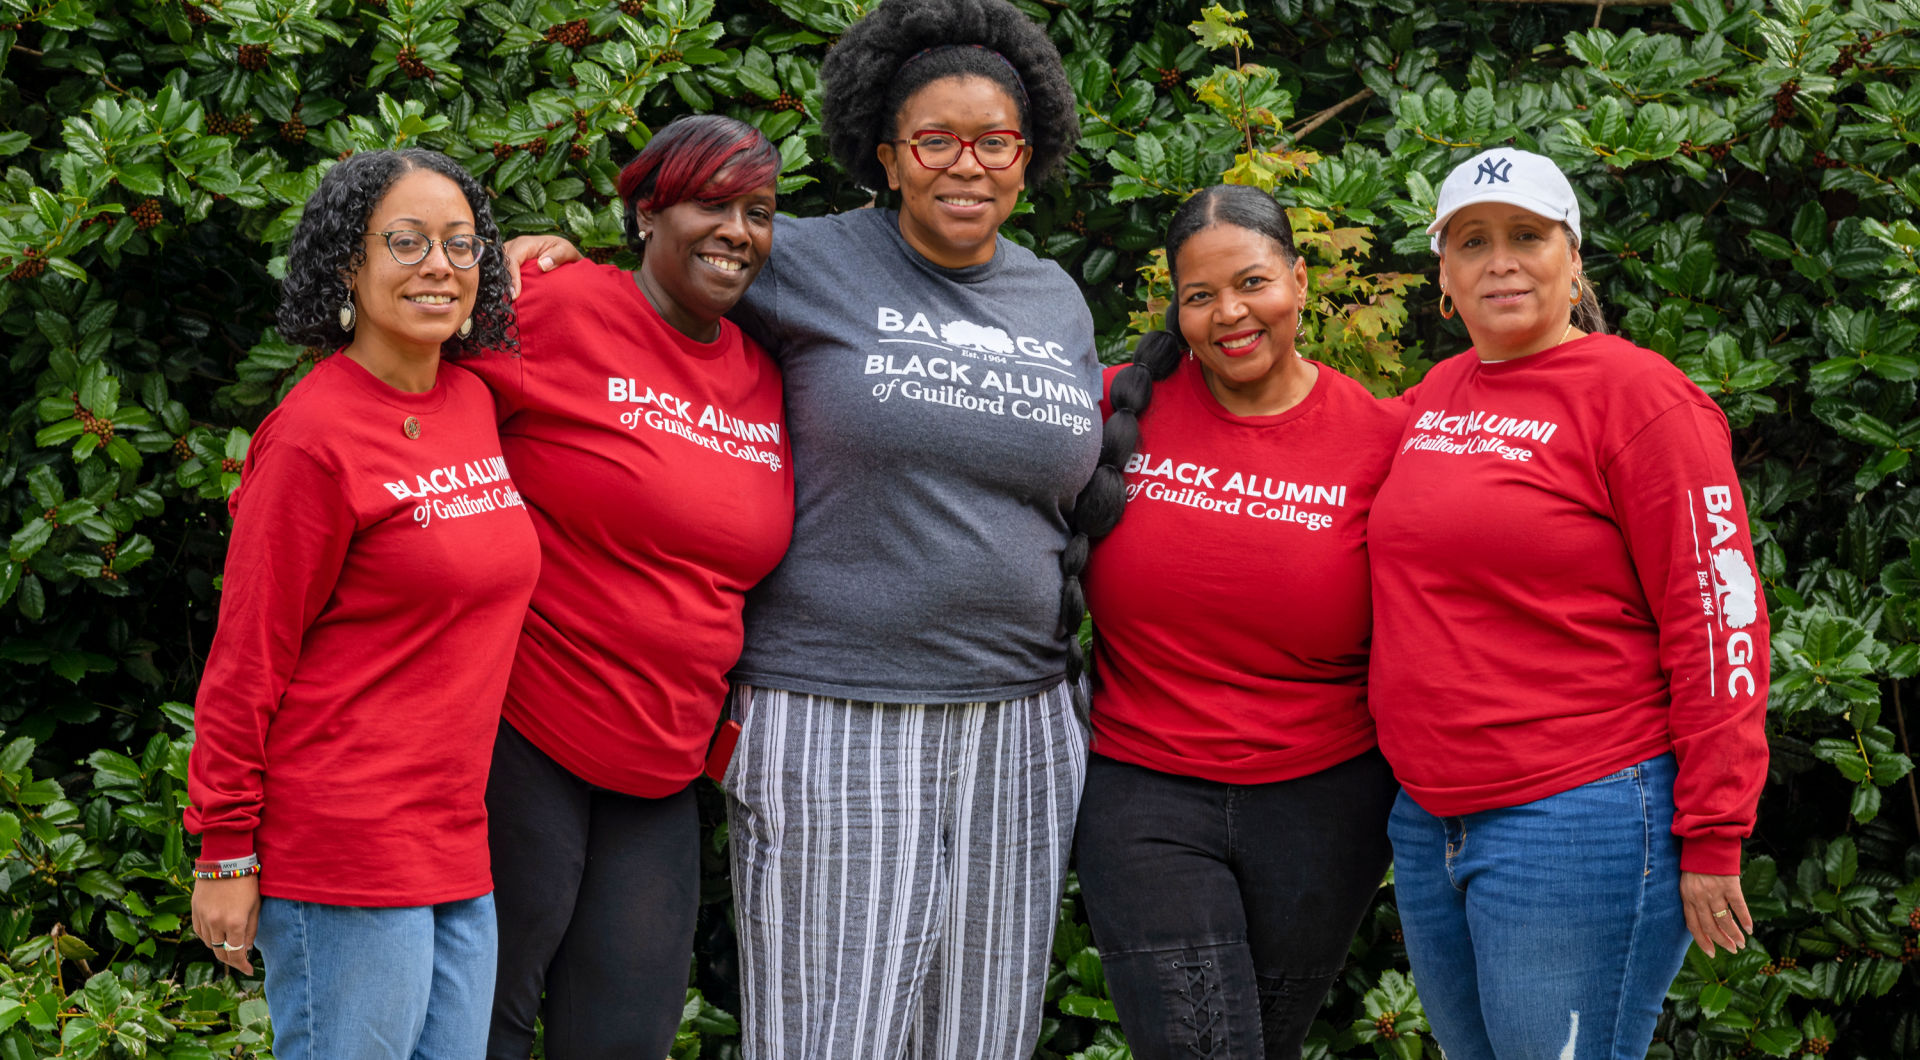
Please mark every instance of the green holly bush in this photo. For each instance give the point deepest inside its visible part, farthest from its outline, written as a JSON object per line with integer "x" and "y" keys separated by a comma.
{"x": 1750, "y": 175}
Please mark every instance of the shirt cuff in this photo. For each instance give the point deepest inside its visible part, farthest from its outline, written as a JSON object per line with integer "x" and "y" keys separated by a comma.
{"x": 225, "y": 846}
{"x": 1710, "y": 855}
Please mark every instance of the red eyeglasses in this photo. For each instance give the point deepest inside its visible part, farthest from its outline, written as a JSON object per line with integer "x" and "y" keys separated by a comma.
{"x": 940, "y": 149}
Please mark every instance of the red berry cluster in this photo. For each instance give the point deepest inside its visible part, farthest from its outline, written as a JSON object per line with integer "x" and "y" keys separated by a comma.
{"x": 12, "y": 27}
{"x": 221, "y": 125}
{"x": 1909, "y": 951}
{"x": 636, "y": 8}
{"x": 1169, "y": 78}
{"x": 601, "y": 255}
{"x": 1384, "y": 1025}
{"x": 91, "y": 423}
{"x": 1822, "y": 161}
{"x": 1850, "y": 55}
{"x": 1913, "y": 918}
{"x": 30, "y": 268}
{"x": 195, "y": 14}
{"x": 537, "y": 147}
{"x": 110, "y": 550}
{"x": 1817, "y": 1046}
{"x": 578, "y": 152}
{"x": 232, "y": 465}
{"x": 254, "y": 56}
{"x": 786, "y": 101}
{"x": 572, "y": 34}
{"x": 1841, "y": 955}
{"x": 147, "y": 215}
{"x": 501, "y": 151}
{"x": 96, "y": 219}
{"x": 293, "y": 130}
{"x": 49, "y": 516}
{"x": 1783, "y": 104}
{"x": 669, "y": 56}
{"x": 409, "y": 63}
{"x": 181, "y": 449}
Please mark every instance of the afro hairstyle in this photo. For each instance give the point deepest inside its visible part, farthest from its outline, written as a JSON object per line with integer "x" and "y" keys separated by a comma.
{"x": 864, "y": 84}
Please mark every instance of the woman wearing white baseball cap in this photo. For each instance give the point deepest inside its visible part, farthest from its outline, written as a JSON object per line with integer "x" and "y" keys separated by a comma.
{"x": 1569, "y": 667}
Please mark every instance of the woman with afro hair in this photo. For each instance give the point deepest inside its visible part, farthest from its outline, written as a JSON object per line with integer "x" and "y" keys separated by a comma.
{"x": 377, "y": 575}
{"x": 903, "y": 793}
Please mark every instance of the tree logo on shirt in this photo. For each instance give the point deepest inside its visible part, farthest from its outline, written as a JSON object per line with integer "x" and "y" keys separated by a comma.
{"x": 976, "y": 337}
{"x": 1735, "y": 587}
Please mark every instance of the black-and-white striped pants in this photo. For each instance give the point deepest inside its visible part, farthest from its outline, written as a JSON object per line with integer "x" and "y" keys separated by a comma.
{"x": 897, "y": 872}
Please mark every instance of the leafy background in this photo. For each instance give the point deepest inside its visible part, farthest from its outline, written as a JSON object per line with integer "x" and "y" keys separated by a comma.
{"x": 1748, "y": 171}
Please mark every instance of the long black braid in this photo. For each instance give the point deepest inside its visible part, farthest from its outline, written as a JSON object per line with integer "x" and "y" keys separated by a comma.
{"x": 1096, "y": 511}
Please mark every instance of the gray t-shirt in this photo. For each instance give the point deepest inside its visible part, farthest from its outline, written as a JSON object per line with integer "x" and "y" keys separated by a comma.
{"x": 942, "y": 422}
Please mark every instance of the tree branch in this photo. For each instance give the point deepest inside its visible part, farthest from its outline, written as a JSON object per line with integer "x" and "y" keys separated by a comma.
{"x": 1325, "y": 116}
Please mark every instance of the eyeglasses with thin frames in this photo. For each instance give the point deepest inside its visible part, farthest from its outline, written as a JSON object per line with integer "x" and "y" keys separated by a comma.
{"x": 940, "y": 149}
{"x": 409, "y": 247}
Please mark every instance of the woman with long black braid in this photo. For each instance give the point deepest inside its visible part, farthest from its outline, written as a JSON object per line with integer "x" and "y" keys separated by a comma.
{"x": 1233, "y": 829}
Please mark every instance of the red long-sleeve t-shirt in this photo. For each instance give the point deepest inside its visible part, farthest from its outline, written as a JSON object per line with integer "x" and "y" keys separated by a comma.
{"x": 1231, "y": 603}
{"x": 658, "y": 474}
{"x": 375, "y": 583}
{"x": 1564, "y": 585}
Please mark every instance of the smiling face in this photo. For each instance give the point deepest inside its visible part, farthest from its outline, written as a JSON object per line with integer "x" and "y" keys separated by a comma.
{"x": 1510, "y": 271}
{"x": 951, "y": 216}
{"x": 409, "y": 310}
{"x": 1239, "y": 310}
{"x": 701, "y": 256}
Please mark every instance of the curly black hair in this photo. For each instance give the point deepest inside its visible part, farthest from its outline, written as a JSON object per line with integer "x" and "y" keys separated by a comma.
{"x": 327, "y": 249}
{"x": 867, "y": 77}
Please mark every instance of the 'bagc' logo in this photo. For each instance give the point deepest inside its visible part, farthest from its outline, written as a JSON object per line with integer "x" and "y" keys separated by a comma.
{"x": 977, "y": 338}
{"x": 1495, "y": 170}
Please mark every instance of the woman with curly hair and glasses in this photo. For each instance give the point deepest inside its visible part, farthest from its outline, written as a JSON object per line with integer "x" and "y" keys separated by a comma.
{"x": 903, "y": 793}
{"x": 648, "y": 437}
{"x": 377, "y": 576}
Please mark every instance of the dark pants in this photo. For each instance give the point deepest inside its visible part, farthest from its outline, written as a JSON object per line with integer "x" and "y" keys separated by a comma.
{"x": 1223, "y": 912}
{"x": 596, "y": 894}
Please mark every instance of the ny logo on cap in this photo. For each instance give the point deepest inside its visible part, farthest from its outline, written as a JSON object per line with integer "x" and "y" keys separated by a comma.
{"x": 1494, "y": 169}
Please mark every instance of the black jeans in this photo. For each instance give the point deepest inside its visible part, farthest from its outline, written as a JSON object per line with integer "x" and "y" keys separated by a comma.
{"x": 596, "y": 894}
{"x": 1223, "y": 912}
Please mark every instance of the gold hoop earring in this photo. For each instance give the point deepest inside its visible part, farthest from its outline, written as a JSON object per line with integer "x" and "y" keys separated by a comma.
{"x": 1446, "y": 309}
{"x": 1579, "y": 283}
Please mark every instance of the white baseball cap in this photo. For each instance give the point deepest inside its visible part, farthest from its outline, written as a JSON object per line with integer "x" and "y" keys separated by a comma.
{"x": 1510, "y": 175}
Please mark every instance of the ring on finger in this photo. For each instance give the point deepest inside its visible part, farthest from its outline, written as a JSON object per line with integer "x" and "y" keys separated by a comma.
{"x": 1723, "y": 912}
{"x": 230, "y": 947}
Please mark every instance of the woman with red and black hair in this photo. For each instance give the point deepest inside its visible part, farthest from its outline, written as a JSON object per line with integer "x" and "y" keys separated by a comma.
{"x": 647, "y": 437}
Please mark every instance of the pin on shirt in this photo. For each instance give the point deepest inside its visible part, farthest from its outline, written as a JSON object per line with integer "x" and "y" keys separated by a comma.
{"x": 410, "y": 427}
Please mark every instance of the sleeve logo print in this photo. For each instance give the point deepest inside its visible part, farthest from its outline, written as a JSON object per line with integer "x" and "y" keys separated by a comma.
{"x": 474, "y": 482}
{"x": 980, "y": 368}
{"x": 714, "y": 429}
{"x": 1729, "y": 592}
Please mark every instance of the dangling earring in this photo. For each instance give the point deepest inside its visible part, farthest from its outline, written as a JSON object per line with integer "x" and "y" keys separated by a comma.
{"x": 466, "y": 327}
{"x": 1578, "y": 283}
{"x": 346, "y": 313}
{"x": 1446, "y": 308}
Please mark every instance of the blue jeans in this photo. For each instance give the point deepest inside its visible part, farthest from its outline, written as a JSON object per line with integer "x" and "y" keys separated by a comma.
{"x": 1549, "y": 930}
{"x": 352, "y": 983}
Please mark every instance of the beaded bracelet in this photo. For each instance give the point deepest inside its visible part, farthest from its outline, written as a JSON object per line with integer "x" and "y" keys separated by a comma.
{"x": 227, "y": 870}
